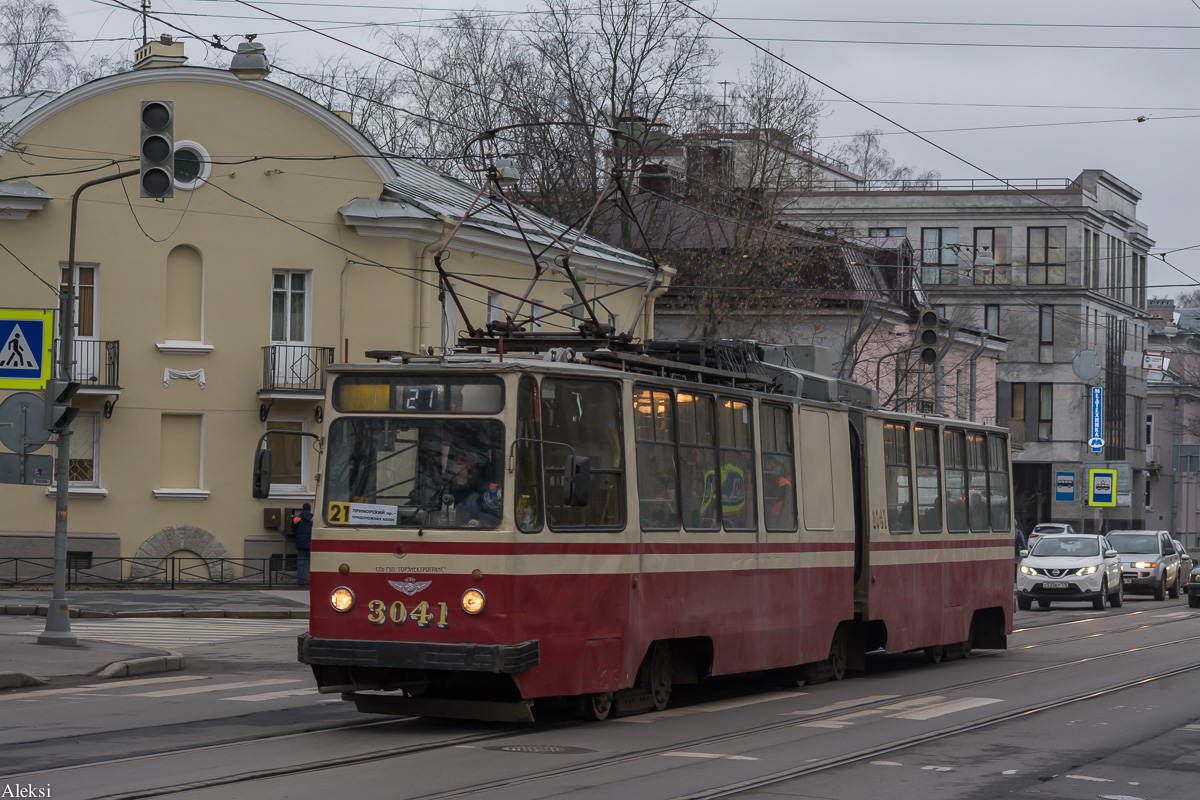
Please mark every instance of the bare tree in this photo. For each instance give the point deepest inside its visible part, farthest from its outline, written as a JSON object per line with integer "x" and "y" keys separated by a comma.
{"x": 1189, "y": 299}
{"x": 369, "y": 92}
{"x": 33, "y": 43}
{"x": 866, "y": 155}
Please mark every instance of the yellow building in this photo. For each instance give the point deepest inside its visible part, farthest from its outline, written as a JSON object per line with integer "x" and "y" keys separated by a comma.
{"x": 203, "y": 320}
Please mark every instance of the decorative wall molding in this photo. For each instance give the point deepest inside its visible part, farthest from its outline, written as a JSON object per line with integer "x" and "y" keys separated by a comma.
{"x": 188, "y": 374}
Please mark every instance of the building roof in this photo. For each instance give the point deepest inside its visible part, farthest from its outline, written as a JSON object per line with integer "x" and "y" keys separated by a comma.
{"x": 436, "y": 193}
{"x": 14, "y": 107}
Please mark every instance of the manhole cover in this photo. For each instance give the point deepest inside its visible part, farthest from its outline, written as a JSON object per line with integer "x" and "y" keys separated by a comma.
{"x": 551, "y": 749}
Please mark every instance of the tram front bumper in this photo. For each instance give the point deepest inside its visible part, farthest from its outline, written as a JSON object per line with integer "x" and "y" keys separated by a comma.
{"x": 495, "y": 658}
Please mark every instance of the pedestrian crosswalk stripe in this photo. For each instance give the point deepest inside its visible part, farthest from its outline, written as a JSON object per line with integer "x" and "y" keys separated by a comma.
{"x": 256, "y": 698}
{"x": 169, "y": 633}
{"x": 919, "y": 708}
{"x": 214, "y": 687}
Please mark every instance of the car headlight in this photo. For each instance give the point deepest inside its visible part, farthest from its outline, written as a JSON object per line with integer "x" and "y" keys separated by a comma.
{"x": 1144, "y": 565}
{"x": 1028, "y": 570}
{"x": 1087, "y": 570}
{"x": 342, "y": 599}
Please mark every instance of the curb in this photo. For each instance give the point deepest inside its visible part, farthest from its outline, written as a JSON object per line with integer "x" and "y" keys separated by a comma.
{"x": 168, "y": 662}
{"x": 16, "y": 680}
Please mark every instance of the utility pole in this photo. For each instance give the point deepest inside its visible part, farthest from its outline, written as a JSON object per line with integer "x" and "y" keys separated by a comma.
{"x": 58, "y": 617}
{"x": 145, "y": 9}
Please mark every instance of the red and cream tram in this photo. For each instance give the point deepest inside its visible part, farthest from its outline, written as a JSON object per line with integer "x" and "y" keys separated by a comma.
{"x": 498, "y": 530}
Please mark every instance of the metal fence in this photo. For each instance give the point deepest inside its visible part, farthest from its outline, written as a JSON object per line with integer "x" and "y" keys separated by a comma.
{"x": 94, "y": 362}
{"x": 170, "y": 572}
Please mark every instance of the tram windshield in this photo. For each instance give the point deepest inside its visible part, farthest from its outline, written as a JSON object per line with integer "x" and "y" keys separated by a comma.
{"x": 431, "y": 473}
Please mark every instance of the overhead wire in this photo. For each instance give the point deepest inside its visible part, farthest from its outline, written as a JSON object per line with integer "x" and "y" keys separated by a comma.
{"x": 243, "y": 2}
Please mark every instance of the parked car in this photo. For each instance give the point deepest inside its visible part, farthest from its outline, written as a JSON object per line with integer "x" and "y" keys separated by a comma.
{"x": 1185, "y": 561}
{"x": 1073, "y": 568}
{"x": 1048, "y": 527}
{"x": 1193, "y": 588}
{"x": 1151, "y": 565}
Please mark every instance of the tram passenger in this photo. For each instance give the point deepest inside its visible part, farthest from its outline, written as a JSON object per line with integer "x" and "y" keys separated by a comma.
{"x": 777, "y": 491}
{"x": 476, "y": 502}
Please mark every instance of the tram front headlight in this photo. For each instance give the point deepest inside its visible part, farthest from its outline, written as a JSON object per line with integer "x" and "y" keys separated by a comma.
{"x": 473, "y": 601}
{"x": 342, "y": 599}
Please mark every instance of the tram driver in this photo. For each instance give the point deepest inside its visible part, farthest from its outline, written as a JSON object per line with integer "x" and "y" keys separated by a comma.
{"x": 476, "y": 502}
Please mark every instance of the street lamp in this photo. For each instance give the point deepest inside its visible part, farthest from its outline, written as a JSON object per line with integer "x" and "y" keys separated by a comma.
{"x": 250, "y": 61}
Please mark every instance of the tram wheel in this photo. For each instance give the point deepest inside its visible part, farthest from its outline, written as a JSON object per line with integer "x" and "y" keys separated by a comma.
{"x": 660, "y": 675}
{"x": 598, "y": 706}
{"x": 934, "y": 655}
{"x": 839, "y": 654}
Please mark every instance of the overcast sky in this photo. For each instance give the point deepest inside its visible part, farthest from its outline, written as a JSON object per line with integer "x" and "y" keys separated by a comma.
{"x": 1060, "y": 82}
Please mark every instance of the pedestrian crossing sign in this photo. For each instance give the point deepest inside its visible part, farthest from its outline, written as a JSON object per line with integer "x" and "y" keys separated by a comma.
{"x": 26, "y": 347}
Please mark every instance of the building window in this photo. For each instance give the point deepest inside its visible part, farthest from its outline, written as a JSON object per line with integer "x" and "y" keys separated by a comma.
{"x": 887, "y": 233}
{"x": 1148, "y": 504}
{"x": 1018, "y": 401}
{"x": 181, "y": 452}
{"x": 993, "y": 255}
{"x": 289, "y": 307}
{"x": 289, "y": 456}
{"x": 991, "y": 319}
{"x": 83, "y": 468}
{"x": 1149, "y": 429}
{"x": 1095, "y": 259}
{"x": 495, "y": 307}
{"x": 1045, "y": 407}
{"x": 1046, "y": 334}
{"x": 192, "y": 165}
{"x": 1047, "y": 255}
{"x": 939, "y": 255}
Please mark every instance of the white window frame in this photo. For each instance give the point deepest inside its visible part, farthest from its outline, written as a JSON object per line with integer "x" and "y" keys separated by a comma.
{"x": 82, "y": 488}
{"x": 308, "y": 303}
{"x": 301, "y": 490}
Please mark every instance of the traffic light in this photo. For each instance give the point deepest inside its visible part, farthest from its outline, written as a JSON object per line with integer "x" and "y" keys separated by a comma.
{"x": 59, "y": 414}
{"x": 927, "y": 336}
{"x": 158, "y": 149}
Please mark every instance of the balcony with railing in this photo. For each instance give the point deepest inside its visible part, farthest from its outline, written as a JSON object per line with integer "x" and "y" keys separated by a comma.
{"x": 1016, "y": 431}
{"x": 294, "y": 370}
{"x": 96, "y": 363}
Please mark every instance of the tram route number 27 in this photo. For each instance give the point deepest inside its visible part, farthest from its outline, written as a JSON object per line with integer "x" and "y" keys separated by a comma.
{"x": 379, "y": 612}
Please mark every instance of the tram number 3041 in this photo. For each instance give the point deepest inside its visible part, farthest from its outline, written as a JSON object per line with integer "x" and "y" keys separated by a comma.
{"x": 379, "y": 612}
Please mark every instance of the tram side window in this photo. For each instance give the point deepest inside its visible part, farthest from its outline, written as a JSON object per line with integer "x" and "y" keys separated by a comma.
{"x": 929, "y": 490}
{"x": 779, "y": 468}
{"x": 585, "y": 415}
{"x": 998, "y": 469}
{"x": 899, "y": 477}
{"x": 954, "y": 452}
{"x": 977, "y": 482}
{"x": 529, "y": 458}
{"x": 739, "y": 498}
{"x": 699, "y": 493}
{"x": 658, "y": 484}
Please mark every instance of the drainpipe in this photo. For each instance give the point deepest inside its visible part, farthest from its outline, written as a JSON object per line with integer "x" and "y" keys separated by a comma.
{"x": 983, "y": 341}
{"x": 1175, "y": 462}
{"x": 648, "y": 314}
{"x": 425, "y": 266}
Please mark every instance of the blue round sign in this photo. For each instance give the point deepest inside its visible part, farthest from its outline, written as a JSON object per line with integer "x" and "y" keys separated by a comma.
{"x": 1095, "y": 443}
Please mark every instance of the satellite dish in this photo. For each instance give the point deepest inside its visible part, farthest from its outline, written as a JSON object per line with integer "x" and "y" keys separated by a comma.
{"x": 1086, "y": 365}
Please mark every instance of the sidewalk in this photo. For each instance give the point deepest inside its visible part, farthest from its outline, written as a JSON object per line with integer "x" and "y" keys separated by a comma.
{"x": 23, "y": 662}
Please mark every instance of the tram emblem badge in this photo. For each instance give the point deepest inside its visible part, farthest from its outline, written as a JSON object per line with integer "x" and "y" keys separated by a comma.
{"x": 410, "y": 587}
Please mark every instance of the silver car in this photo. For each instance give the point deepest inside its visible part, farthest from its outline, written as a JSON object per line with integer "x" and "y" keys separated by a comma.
{"x": 1151, "y": 565}
{"x": 1070, "y": 567}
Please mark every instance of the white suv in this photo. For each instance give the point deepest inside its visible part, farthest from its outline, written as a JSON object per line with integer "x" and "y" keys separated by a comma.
{"x": 1048, "y": 527}
{"x": 1076, "y": 567}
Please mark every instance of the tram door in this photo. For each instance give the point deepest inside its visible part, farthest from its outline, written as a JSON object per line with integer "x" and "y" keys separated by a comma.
{"x": 858, "y": 480}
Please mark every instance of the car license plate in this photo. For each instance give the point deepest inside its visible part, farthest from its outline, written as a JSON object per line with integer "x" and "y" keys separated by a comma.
{"x": 1058, "y": 585}
{"x": 1128, "y": 581}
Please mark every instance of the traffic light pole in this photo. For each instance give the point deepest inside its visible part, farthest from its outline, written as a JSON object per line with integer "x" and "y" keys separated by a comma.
{"x": 58, "y": 617}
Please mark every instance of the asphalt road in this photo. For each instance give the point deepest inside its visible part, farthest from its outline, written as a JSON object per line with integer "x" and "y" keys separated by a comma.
{"x": 1083, "y": 705}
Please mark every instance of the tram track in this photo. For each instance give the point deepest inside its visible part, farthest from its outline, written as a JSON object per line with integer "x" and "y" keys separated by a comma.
{"x": 541, "y": 729}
